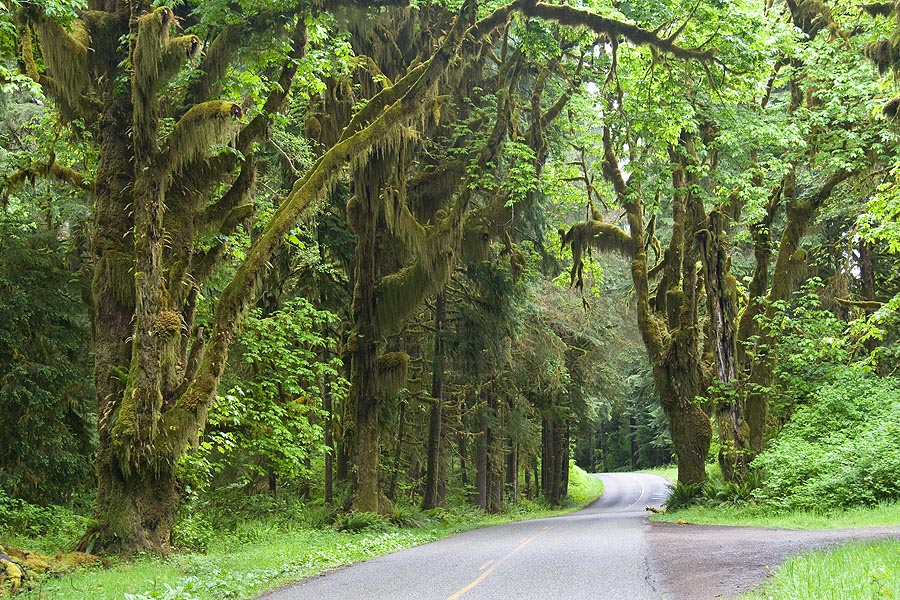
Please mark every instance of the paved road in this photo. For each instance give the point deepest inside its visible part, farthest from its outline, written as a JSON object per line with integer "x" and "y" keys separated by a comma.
{"x": 597, "y": 553}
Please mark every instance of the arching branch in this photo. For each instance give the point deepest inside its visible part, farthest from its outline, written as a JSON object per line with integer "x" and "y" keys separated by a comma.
{"x": 578, "y": 17}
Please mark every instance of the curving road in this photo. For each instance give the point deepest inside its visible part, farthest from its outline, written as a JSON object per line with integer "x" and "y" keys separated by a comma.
{"x": 598, "y": 553}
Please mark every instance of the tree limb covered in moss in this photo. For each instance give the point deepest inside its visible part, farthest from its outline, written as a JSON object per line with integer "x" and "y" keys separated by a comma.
{"x": 597, "y": 235}
{"x": 200, "y": 128}
{"x": 866, "y": 305}
{"x": 799, "y": 213}
{"x": 578, "y": 17}
{"x": 204, "y": 173}
{"x": 72, "y": 106}
{"x": 34, "y": 171}
{"x": 880, "y": 9}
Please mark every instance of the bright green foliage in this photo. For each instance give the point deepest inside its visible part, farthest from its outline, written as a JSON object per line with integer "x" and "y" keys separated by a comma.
{"x": 268, "y": 423}
{"x": 45, "y": 385}
{"x": 811, "y": 346}
{"x": 838, "y": 450}
{"x": 45, "y": 529}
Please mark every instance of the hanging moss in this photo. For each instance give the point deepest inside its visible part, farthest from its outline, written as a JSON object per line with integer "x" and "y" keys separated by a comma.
{"x": 216, "y": 59}
{"x": 402, "y": 223}
{"x": 880, "y": 9}
{"x": 812, "y": 16}
{"x": 476, "y": 243}
{"x": 156, "y": 60}
{"x": 516, "y": 265}
{"x": 152, "y": 37}
{"x": 884, "y": 53}
{"x": 592, "y": 234}
{"x": 117, "y": 269}
{"x": 198, "y": 130}
{"x": 174, "y": 55}
{"x": 66, "y": 53}
{"x": 393, "y": 370}
{"x": 400, "y": 294}
{"x": 891, "y": 108}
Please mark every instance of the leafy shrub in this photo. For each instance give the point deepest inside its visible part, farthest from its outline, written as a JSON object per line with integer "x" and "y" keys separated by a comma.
{"x": 193, "y": 531}
{"x": 839, "y": 450}
{"x": 717, "y": 491}
{"x": 269, "y": 423}
{"x": 684, "y": 494}
{"x": 409, "y": 516}
{"x": 58, "y": 526}
{"x": 356, "y": 521}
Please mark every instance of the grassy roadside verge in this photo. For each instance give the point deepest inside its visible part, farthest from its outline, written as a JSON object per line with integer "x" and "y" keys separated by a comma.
{"x": 760, "y": 516}
{"x": 264, "y": 555}
{"x": 854, "y": 570}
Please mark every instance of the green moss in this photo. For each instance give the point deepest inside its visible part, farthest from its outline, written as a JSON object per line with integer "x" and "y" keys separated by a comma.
{"x": 167, "y": 323}
{"x": 67, "y": 56}
{"x": 393, "y": 370}
{"x": 198, "y": 130}
{"x": 884, "y": 53}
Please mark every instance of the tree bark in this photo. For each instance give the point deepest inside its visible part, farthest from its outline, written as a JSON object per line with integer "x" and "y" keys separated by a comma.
{"x": 434, "y": 467}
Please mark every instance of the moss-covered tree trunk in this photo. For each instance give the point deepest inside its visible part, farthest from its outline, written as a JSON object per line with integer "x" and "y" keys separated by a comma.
{"x": 363, "y": 214}
{"x": 435, "y": 451}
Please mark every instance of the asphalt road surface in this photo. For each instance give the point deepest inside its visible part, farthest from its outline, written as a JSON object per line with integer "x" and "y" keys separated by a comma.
{"x": 598, "y": 553}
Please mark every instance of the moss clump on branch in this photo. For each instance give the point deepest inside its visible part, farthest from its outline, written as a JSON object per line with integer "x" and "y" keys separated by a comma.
{"x": 884, "y": 53}
{"x": 811, "y": 16}
{"x": 198, "y": 130}
{"x": 400, "y": 293}
{"x": 597, "y": 235}
{"x": 152, "y": 36}
{"x": 881, "y": 9}
{"x": 393, "y": 370}
{"x": 167, "y": 323}
{"x": 891, "y": 108}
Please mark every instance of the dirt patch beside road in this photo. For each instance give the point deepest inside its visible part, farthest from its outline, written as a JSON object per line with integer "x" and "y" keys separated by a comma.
{"x": 700, "y": 562}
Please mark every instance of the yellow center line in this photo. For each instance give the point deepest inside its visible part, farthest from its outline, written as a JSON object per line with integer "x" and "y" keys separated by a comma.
{"x": 485, "y": 565}
{"x": 484, "y": 575}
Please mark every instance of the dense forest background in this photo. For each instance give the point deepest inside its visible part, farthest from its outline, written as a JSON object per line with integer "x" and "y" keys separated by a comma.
{"x": 377, "y": 256}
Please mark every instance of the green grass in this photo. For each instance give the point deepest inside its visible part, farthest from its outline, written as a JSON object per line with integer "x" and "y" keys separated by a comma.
{"x": 670, "y": 472}
{"x": 583, "y": 487}
{"x": 857, "y": 570}
{"x": 264, "y": 554}
{"x": 760, "y": 516}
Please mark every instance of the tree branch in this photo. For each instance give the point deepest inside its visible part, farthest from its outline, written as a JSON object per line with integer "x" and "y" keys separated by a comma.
{"x": 577, "y": 17}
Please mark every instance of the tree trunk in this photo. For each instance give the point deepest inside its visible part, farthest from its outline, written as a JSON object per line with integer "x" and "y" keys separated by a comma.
{"x": 398, "y": 453}
{"x": 434, "y": 467}
{"x": 328, "y": 407}
{"x": 554, "y": 460}
{"x": 482, "y": 462}
{"x": 363, "y": 215}
{"x": 135, "y": 512}
{"x": 463, "y": 468}
{"x": 512, "y": 472}
{"x": 633, "y": 442}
